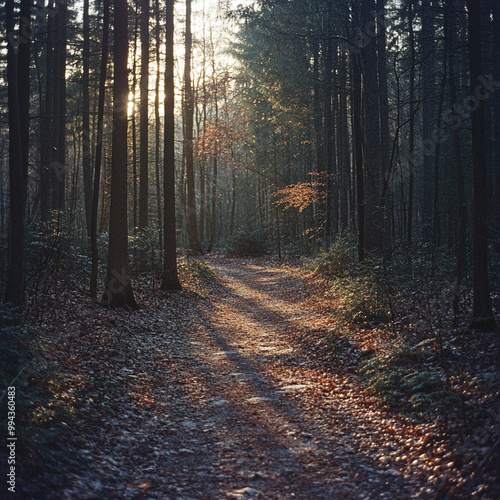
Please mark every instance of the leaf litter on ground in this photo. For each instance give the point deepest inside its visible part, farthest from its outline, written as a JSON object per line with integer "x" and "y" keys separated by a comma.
{"x": 229, "y": 389}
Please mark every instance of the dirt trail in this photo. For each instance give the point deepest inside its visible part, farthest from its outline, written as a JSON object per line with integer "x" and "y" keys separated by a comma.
{"x": 237, "y": 410}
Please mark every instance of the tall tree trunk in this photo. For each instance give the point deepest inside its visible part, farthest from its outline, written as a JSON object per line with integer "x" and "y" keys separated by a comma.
{"x": 170, "y": 278}
{"x": 23, "y": 83}
{"x": 318, "y": 118}
{"x": 483, "y": 318}
{"x": 158, "y": 124}
{"x": 358, "y": 153}
{"x": 98, "y": 152}
{"x": 343, "y": 151}
{"x": 428, "y": 105}
{"x": 144, "y": 143}
{"x": 213, "y": 214}
{"x": 202, "y": 163}
{"x": 457, "y": 160}
{"x": 86, "y": 159}
{"x": 213, "y": 218}
{"x": 436, "y": 219}
{"x": 118, "y": 292}
{"x": 18, "y": 91}
{"x": 194, "y": 244}
{"x": 47, "y": 130}
{"x": 372, "y": 159}
{"x": 276, "y": 187}
{"x": 385, "y": 138}
{"x": 135, "y": 189}
{"x": 496, "y": 107}
{"x": 329, "y": 133}
{"x": 411, "y": 163}
{"x": 58, "y": 166}
{"x": 233, "y": 198}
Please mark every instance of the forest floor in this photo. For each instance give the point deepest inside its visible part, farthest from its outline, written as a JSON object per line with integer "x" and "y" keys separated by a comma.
{"x": 226, "y": 391}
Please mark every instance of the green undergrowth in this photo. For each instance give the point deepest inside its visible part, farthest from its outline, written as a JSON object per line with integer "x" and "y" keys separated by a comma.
{"x": 337, "y": 343}
{"x": 195, "y": 268}
{"x": 53, "y": 254}
{"x": 367, "y": 297}
{"x": 363, "y": 292}
{"x": 144, "y": 251}
{"x": 197, "y": 274}
{"x": 339, "y": 260}
{"x": 400, "y": 378}
{"x": 249, "y": 243}
{"x": 395, "y": 329}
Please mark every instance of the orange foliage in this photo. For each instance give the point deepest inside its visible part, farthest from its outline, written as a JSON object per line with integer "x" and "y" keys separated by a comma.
{"x": 217, "y": 138}
{"x": 302, "y": 194}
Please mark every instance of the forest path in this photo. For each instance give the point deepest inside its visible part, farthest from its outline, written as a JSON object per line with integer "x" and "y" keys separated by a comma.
{"x": 235, "y": 409}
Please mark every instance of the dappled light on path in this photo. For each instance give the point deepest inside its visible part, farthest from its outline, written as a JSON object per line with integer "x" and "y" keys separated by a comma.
{"x": 221, "y": 402}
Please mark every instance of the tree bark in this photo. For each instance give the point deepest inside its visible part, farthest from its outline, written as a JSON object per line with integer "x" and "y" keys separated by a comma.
{"x": 118, "y": 292}
{"x": 194, "y": 244}
{"x": 215, "y": 159}
{"x": 358, "y": 153}
{"x": 144, "y": 143}
{"x": 457, "y": 148}
{"x": 158, "y": 125}
{"x": 86, "y": 159}
{"x": 18, "y": 88}
{"x": 47, "y": 132}
{"x": 329, "y": 121}
{"x": 483, "y": 318}
{"x": 318, "y": 121}
{"x": 429, "y": 85}
{"x": 496, "y": 106}
{"x": 170, "y": 278}
{"x": 98, "y": 152}
{"x": 372, "y": 158}
{"x": 411, "y": 163}
{"x": 58, "y": 164}
{"x": 135, "y": 187}
{"x": 385, "y": 138}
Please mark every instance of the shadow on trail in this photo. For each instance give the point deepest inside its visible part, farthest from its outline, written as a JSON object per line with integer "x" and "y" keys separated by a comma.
{"x": 254, "y": 429}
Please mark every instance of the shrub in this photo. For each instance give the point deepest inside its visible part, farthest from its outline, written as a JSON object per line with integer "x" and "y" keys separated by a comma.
{"x": 53, "y": 253}
{"x": 366, "y": 291}
{"x": 249, "y": 243}
{"x": 145, "y": 256}
{"x": 195, "y": 268}
{"x": 338, "y": 260}
{"x": 338, "y": 343}
{"x": 397, "y": 378}
{"x": 366, "y": 297}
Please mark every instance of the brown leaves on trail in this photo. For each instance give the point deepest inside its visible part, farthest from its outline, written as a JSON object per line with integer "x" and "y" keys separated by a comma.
{"x": 455, "y": 369}
{"x": 228, "y": 389}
